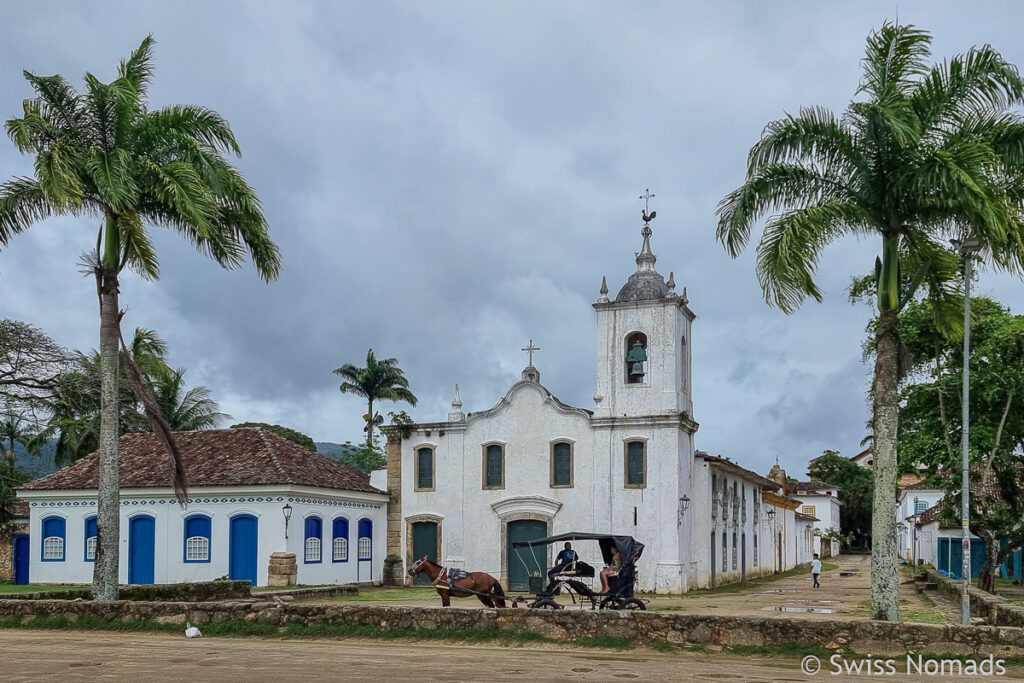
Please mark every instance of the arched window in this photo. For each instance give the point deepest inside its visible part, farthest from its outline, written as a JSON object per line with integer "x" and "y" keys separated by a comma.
{"x": 314, "y": 536}
{"x": 197, "y": 538}
{"x": 425, "y": 469}
{"x": 636, "y": 358}
{"x": 340, "y": 553}
{"x": 561, "y": 464}
{"x": 636, "y": 464}
{"x": 365, "y": 539}
{"x": 90, "y": 538}
{"x": 53, "y": 539}
{"x": 494, "y": 466}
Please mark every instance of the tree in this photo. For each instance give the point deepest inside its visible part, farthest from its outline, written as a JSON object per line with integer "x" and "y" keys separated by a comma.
{"x": 362, "y": 457}
{"x": 186, "y": 410}
{"x": 855, "y": 490}
{"x": 283, "y": 432}
{"x": 104, "y": 154}
{"x": 922, "y": 155}
{"x": 380, "y": 380}
{"x": 930, "y": 424}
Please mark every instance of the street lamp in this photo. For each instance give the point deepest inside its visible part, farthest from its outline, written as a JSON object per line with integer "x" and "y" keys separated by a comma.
{"x": 684, "y": 504}
{"x": 966, "y": 248}
{"x": 287, "y": 512}
{"x": 771, "y": 523}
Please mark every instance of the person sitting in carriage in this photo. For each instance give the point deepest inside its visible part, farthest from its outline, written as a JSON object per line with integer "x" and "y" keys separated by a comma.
{"x": 563, "y": 561}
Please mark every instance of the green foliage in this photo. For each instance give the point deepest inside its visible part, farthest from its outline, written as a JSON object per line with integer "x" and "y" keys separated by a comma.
{"x": 362, "y": 457}
{"x": 283, "y": 432}
{"x": 380, "y": 380}
{"x": 11, "y": 478}
{"x": 605, "y": 642}
{"x": 856, "y": 486}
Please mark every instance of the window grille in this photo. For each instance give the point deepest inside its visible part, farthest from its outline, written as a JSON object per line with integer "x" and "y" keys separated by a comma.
{"x": 197, "y": 549}
{"x": 340, "y": 549}
{"x": 90, "y": 548}
{"x": 312, "y": 550}
{"x": 53, "y": 548}
{"x": 365, "y": 548}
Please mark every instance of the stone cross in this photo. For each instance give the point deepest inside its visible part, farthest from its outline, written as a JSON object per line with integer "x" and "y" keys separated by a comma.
{"x": 531, "y": 348}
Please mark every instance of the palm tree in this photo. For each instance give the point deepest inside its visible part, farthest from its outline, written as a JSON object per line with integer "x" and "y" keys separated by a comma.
{"x": 381, "y": 379}
{"x": 924, "y": 154}
{"x": 185, "y": 411}
{"x": 103, "y": 154}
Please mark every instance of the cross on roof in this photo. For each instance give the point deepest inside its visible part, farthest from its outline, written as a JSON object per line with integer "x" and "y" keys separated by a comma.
{"x": 647, "y": 197}
{"x": 531, "y": 348}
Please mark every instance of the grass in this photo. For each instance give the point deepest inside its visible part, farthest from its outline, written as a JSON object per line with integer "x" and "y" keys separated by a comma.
{"x": 743, "y": 585}
{"x": 928, "y": 615}
{"x": 14, "y": 589}
{"x": 789, "y": 649}
{"x": 269, "y": 589}
{"x": 606, "y": 642}
{"x": 387, "y": 594}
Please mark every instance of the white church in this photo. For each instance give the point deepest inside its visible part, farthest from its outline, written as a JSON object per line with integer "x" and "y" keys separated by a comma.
{"x": 464, "y": 489}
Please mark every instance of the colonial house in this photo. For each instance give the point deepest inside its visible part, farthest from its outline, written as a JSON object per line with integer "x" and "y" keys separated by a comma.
{"x": 821, "y": 501}
{"x": 912, "y": 500}
{"x": 251, "y": 493}
{"x": 463, "y": 490}
{"x": 786, "y": 530}
{"x": 806, "y": 539}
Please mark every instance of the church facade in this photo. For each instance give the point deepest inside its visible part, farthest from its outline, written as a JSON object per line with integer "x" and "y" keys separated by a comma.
{"x": 463, "y": 490}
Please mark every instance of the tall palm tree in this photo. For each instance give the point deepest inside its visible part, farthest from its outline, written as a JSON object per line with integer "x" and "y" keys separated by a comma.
{"x": 381, "y": 379}
{"x": 103, "y": 154}
{"x": 923, "y": 154}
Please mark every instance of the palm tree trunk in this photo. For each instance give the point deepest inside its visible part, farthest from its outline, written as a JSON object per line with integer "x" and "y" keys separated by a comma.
{"x": 108, "y": 522}
{"x": 369, "y": 423}
{"x": 885, "y": 591}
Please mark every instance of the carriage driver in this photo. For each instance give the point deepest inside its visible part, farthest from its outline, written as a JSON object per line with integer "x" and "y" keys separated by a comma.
{"x": 564, "y": 559}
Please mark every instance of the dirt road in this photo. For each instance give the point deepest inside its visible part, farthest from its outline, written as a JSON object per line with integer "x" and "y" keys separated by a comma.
{"x": 68, "y": 656}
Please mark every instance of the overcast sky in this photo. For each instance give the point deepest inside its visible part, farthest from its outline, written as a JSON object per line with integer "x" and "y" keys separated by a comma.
{"x": 449, "y": 180}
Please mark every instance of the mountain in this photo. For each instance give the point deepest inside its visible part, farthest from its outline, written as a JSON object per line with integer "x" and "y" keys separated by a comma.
{"x": 37, "y": 466}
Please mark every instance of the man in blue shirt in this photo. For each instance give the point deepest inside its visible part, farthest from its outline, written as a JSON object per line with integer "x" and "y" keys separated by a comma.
{"x": 564, "y": 559}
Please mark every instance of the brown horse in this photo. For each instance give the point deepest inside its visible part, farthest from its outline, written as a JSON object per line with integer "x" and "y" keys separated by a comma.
{"x": 454, "y": 584}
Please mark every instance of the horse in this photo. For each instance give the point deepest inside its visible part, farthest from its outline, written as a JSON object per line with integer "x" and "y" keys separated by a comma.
{"x": 460, "y": 584}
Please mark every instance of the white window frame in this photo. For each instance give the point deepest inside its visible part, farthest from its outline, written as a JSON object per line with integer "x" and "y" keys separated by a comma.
{"x": 340, "y": 549}
{"x": 53, "y": 548}
{"x": 312, "y": 549}
{"x": 365, "y": 548}
{"x": 197, "y": 549}
{"x": 90, "y": 548}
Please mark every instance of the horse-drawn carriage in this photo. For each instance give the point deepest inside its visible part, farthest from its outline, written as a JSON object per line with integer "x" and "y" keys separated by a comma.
{"x": 621, "y": 578}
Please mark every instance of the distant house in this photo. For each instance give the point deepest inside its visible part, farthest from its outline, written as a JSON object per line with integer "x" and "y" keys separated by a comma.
{"x": 251, "y": 493}
{"x": 14, "y": 553}
{"x": 914, "y": 499}
{"x": 866, "y": 458}
{"x": 821, "y": 501}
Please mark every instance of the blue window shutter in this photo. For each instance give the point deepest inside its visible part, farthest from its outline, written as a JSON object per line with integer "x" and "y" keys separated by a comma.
{"x": 340, "y": 528}
{"x": 313, "y": 527}
{"x": 197, "y": 526}
{"x": 90, "y": 527}
{"x": 365, "y": 528}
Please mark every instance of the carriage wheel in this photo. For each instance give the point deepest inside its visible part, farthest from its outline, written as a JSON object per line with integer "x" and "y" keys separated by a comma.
{"x": 611, "y": 602}
{"x": 634, "y": 604}
{"x": 545, "y": 603}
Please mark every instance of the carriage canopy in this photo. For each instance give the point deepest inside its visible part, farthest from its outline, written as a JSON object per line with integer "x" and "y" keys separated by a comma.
{"x": 629, "y": 548}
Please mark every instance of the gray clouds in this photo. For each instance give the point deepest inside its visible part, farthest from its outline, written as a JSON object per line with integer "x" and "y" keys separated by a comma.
{"x": 449, "y": 180}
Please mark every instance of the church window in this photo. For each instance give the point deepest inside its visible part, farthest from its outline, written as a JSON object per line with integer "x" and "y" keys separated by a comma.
{"x": 340, "y": 553}
{"x": 494, "y": 466}
{"x": 561, "y": 464}
{"x": 53, "y": 539}
{"x": 365, "y": 539}
{"x": 755, "y": 550}
{"x": 314, "y": 536}
{"x": 636, "y": 464}
{"x": 734, "y": 553}
{"x": 197, "y": 538}
{"x": 809, "y": 510}
{"x": 636, "y": 358}
{"x": 90, "y": 539}
{"x": 425, "y": 469}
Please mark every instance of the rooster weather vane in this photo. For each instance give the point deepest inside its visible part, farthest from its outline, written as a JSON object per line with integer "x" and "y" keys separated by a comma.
{"x": 647, "y": 197}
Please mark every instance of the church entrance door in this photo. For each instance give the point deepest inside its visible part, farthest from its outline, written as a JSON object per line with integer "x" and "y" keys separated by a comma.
{"x": 424, "y": 542}
{"x": 520, "y": 562}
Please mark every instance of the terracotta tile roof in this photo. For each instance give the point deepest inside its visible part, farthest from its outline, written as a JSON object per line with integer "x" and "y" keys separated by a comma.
{"x": 21, "y": 509}
{"x": 928, "y": 516}
{"x": 801, "y": 517}
{"x": 810, "y": 486}
{"x": 730, "y": 466}
{"x": 216, "y": 457}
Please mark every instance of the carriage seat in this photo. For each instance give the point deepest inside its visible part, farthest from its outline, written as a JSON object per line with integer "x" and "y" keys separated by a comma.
{"x": 577, "y": 569}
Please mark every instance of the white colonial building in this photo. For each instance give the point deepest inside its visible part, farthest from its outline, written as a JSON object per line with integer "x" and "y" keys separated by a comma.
{"x": 251, "y": 493}
{"x": 821, "y": 501}
{"x": 463, "y": 490}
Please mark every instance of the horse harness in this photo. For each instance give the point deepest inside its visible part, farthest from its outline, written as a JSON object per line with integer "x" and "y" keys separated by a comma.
{"x": 451, "y": 577}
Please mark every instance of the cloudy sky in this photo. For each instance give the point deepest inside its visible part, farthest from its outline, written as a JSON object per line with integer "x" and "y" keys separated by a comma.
{"x": 447, "y": 180}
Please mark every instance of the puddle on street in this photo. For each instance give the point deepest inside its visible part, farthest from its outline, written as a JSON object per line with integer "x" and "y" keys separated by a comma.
{"x": 797, "y": 601}
{"x": 813, "y": 610}
{"x": 776, "y": 591}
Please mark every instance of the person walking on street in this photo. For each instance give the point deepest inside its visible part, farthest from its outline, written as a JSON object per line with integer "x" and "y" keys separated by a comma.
{"x": 816, "y": 570}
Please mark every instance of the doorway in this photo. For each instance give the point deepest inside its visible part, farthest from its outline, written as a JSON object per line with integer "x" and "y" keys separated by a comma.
{"x": 243, "y": 546}
{"x": 523, "y": 562}
{"x": 141, "y": 549}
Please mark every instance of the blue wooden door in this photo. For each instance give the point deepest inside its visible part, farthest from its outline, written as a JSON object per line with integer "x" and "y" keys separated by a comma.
{"x": 244, "y": 548}
{"x": 21, "y": 559}
{"x": 141, "y": 546}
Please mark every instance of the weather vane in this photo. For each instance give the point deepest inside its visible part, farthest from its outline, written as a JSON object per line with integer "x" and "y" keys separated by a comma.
{"x": 647, "y": 197}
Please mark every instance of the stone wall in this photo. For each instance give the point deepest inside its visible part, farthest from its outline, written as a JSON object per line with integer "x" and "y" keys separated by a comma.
{"x": 992, "y": 608}
{"x": 644, "y": 628}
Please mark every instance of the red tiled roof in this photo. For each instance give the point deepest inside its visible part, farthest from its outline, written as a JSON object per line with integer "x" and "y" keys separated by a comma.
{"x": 216, "y": 457}
{"x": 802, "y": 517}
{"x": 810, "y": 486}
{"x": 730, "y": 466}
{"x": 20, "y": 509}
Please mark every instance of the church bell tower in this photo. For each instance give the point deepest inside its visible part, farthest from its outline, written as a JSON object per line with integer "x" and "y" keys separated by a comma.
{"x": 643, "y": 342}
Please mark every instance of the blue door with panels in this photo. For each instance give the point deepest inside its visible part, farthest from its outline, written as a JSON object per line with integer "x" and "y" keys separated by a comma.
{"x": 21, "y": 559}
{"x": 365, "y": 550}
{"x": 243, "y": 551}
{"x": 141, "y": 547}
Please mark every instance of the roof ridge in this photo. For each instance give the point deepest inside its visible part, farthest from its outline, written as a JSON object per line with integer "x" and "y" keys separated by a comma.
{"x": 272, "y": 453}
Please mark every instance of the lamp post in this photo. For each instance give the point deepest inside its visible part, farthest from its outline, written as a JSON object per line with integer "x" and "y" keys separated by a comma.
{"x": 287, "y": 512}
{"x": 684, "y": 504}
{"x": 771, "y": 523}
{"x": 966, "y": 248}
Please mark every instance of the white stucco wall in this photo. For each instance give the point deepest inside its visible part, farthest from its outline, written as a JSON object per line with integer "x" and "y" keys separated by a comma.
{"x": 222, "y": 504}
